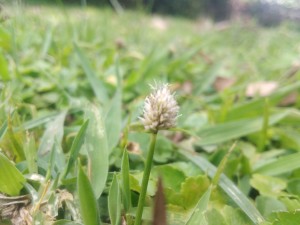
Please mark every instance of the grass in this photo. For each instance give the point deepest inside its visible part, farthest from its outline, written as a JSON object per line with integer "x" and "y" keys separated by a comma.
{"x": 73, "y": 82}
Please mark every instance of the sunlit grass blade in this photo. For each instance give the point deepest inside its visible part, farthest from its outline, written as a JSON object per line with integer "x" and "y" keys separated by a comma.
{"x": 114, "y": 202}
{"x": 36, "y": 122}
{"x": 87, "y": 201}
{"x": 16, "y": 147}
{"x": 47, "y": 42}
{"x": 76, "y": 146}
{"x": 4, "y": 69}
{"x": 55, "y": 130}
{"x": 231, "y": 130}
{"x": 279, "y": 165}
{"x": 30, "y": 153}
{"x": 11, "y": 179}
{"x": 3, "y": 129}
{"x": 97, "y": 148}
{"x": 125, "y": 182}
{"x": 96, "y": 84}
{"x": 227, "y": 185}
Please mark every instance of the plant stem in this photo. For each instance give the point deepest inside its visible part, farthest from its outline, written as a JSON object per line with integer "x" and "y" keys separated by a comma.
{"x": 141, "y": 203}
{"x": 221, "y": 167}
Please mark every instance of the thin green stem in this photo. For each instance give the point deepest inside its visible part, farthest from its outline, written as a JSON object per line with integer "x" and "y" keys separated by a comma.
{"x": 221, "y": 167}
{"x": 141, "y": 203}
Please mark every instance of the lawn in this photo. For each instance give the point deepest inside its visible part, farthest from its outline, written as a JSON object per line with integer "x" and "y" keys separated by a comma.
{"x": 73, "y": 148}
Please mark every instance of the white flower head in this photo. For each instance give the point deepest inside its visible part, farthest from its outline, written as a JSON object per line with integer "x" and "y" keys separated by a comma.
{"x": 160, "y": 109}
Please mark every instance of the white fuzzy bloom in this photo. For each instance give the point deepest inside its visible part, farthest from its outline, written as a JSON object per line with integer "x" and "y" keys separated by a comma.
{"x": 160, "y": 109}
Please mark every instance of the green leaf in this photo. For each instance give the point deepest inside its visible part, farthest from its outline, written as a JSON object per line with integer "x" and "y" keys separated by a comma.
{"x": 191, "y": 191}
{"x": 165, "y": 151}
{"x": 268, "y": 186}
{"x": 96, "y": 145}
{"x": 87, "y": 201}
{"x": 173, "y": 176}
{"x": 214, "y": 217}
{"x": 113, "y": 119}
{"x": 232, "y": 130}
{"x": 54, "y": 132}
{"x": 279, "y": 165}
{"x": 197, "y": 216}
{"x": 125, "y": 182}
{"x": 76, "y": 146}
{"x": 227, "y": 185}
{"x": 294, "y": 186}
{"x": 287, "y": 218}
{"x": 266, "y": 205}
{"x": 96, "y": 84}
{"x": 11, "y": 179}
{"x": 114, "y": 202}
{"x": 234, "y": 216}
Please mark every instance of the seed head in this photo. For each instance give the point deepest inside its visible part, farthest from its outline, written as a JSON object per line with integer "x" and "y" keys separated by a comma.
{"x": 160, "y": 109}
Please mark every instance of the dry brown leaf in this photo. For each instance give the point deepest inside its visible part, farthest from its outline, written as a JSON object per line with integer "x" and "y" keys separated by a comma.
{"x": 262, "y": 88}
{"x": 177, "y": 137}
{"x": 289, "y": 99}
{"x": 222, "y": 83}
{"x": 16, "y": 209}
{"x": 159, "y": 209}
{"x": 134, "y": 147}
{"x": 293, "y": 70}
{"x": 187, "y": 87}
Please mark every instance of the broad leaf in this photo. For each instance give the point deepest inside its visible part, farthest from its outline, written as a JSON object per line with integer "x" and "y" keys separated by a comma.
{"x": 11, "y": 179}
{"x": 96, "y": 145}
{"x": 87, "y": 201}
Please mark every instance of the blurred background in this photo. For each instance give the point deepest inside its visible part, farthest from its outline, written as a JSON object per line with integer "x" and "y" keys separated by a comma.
{"x": 266, "y": 12}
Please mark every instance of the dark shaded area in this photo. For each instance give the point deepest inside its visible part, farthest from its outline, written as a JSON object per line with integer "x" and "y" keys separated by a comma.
{"x": 216, "y": 9}
{"x": 267, "y": 13}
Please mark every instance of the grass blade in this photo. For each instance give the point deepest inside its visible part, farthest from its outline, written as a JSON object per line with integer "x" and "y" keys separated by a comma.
{"x": 11, "y": 179}
{"x": 197, "y": 215}
{"x": 114, "y": 202}
{"x": 96, "y": 145}
{"x": 256, "y": 107}
{"x": 3, "y": 129}
{"x": 87, "y": 200}
{"x": 76, "y": 146}
{"x": 231, "y": 130}
{"x": 97, "y": 86}
{"x": 54, "y": 131}
{"x": 113, "y": 119}
{"x": 36, "y": 122}
{"x": 30, "y": 153}
{"x": 227, "y": 185}
{"x": 125, "y": 182}
{"x": 279, "y": 166}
